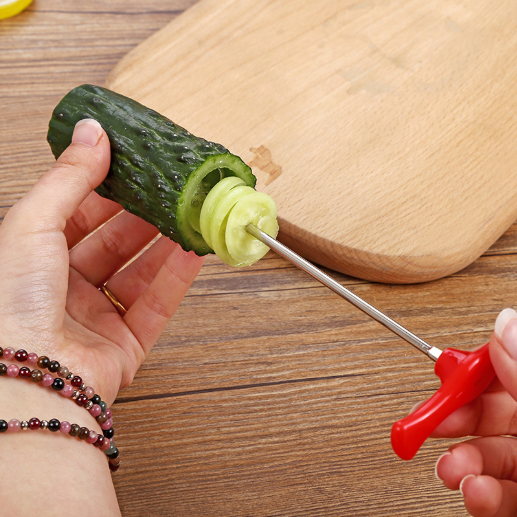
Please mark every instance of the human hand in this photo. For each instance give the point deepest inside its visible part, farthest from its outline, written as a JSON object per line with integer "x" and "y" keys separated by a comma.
{"x": 485, "y": 468}
{"x": 59, "y": 244}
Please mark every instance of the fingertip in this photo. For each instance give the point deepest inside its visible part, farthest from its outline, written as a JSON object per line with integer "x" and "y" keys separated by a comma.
{"x": 89, "y": 152}
{"x": 462, "y": 484}
{"x": 457, "y": 463}
{"x": 437, "y": 467}
{"x": 503, "y": 350}
{"x": 88, "y": 132}
{"x": 504, "y": 317}
{"x": 482, "y": 495}
{"x": 418, "y": 405}
{"x": 506, "y": 332}
{"x": 186, "y": 264}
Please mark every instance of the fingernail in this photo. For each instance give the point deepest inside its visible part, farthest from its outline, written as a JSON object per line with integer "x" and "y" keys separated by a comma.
{"x": 463, "y": 481}
{"x": 88, "y": 132}
{"x": 448, "y": 453}
{"x": 416, "y": 406}
{"x": 501, "y": 323}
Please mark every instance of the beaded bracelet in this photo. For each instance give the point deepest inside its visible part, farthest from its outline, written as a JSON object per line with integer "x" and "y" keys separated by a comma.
{"x": 54, "y": 425}
{"x": 89, "y": 399}
{"x": 96, "y": 407}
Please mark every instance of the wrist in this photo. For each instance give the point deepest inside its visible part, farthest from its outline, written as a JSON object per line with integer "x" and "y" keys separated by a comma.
{"x": 22, "y": 399}
{"x": 79, "y": 360}
{"x": 52, "y": 461}
{"x": 78, "y": 398}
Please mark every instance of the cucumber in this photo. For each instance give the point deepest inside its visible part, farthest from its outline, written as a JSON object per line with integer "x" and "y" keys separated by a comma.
{"x": 159, "y": 171}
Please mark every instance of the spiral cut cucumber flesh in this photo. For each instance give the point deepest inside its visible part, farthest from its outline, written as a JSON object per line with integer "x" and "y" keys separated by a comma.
{"x": 228, "y": 208}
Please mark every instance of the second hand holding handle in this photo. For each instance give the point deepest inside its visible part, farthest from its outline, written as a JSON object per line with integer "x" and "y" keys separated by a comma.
{"x": 464, "y": 376}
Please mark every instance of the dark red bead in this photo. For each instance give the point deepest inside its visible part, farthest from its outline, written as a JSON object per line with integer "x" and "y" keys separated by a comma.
{"x": 21, "y": 355}
{"x": 100, "y": 440}
{"x": 81, "y": 400}
{"x": 76, "y": 382}
{"x": 24, "y": 372}
{"x": 113, "y": 467}
{"x": 34, "y": 423}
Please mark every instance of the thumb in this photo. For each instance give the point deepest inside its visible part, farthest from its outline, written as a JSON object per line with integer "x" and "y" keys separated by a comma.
{"x": 503, "y": 350}
{"x": 59, "y": 192}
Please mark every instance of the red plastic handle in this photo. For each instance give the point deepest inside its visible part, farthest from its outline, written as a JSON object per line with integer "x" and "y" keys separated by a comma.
{"x": 464, "y": 376}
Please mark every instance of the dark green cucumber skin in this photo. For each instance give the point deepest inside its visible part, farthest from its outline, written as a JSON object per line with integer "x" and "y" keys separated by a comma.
{"x": 152, "y": 158}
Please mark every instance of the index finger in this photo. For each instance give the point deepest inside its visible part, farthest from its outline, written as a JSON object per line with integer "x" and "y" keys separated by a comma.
{"x": 490, "y": 414}
{"x": 92, "y": 213}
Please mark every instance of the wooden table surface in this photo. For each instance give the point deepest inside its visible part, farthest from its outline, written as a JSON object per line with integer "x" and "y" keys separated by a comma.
{"x": 267, "y": 395}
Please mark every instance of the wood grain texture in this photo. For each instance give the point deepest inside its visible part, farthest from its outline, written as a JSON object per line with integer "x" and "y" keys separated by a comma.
{"x": 384, "y": 130}
{"x": 267, "y": 395}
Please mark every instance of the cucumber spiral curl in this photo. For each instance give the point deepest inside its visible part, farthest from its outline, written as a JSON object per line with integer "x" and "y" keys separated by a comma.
{"x": 227, "y": 209}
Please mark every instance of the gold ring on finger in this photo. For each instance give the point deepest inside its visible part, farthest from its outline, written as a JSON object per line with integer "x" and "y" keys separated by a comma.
{"x": 113, "y": 299}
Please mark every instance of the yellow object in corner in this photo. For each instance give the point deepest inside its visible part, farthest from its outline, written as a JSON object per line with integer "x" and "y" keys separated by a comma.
{"x": 10, "y": 8}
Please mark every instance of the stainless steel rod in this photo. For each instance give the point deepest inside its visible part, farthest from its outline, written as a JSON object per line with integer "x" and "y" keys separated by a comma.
{"x": 325, "y": 279}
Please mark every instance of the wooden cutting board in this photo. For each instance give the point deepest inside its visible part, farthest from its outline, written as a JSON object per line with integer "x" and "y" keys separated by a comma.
{"x": 386, "y": 131}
